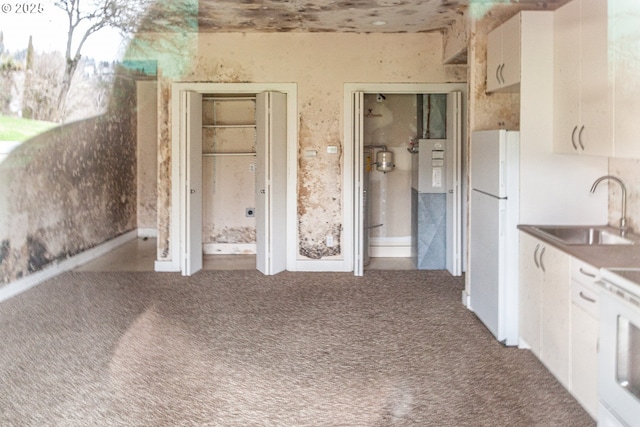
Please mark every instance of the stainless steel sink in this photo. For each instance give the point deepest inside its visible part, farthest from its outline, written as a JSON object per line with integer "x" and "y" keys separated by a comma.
{"x": 587, "y": 235}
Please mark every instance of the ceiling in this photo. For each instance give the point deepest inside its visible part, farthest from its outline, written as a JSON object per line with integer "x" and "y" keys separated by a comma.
{"x": 327, "y": 15}
{"x": 362, "y": 16}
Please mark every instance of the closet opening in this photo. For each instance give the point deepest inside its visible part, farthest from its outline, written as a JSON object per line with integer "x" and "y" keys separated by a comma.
{"x": 407, "y": 170}
{"x": 233, "y": 190}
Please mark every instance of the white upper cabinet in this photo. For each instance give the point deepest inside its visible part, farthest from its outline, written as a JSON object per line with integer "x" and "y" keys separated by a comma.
{"x": 624, "y": 49}
{"x": 503, "y": 57}
{"x": 583, "y": 121}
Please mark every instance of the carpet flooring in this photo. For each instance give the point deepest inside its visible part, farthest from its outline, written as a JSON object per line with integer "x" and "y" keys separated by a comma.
{"x": 235, "y": 348}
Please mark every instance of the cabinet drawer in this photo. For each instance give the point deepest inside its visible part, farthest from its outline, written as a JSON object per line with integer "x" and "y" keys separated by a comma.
{"x": 584, "y": 273}
{"x": 586, "y": 297}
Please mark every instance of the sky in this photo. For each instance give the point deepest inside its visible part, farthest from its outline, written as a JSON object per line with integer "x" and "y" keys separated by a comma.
{"x": 49, "y": 31}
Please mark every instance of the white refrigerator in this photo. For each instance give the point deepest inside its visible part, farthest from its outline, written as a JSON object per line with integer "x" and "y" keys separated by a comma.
{"x": 493, "y": 234}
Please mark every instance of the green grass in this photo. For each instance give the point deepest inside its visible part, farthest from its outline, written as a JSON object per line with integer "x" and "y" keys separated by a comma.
{"x": 18, "y": 129}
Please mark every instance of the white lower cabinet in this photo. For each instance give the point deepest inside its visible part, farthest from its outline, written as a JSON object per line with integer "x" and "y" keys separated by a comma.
{"x": 530, "y": 294}
{"x": 584, "y": 335}
{"x": 556, "y": 319}
{"x": 545, "y": 301}
{"x": 559, "y": 316}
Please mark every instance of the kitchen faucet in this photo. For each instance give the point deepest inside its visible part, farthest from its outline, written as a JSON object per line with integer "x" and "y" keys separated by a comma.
{"x": 623, "y": 220}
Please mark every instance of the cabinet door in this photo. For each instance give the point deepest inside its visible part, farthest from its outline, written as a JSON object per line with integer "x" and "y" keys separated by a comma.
{"x": 530, "y": 293}
{"x": 596, "y": 98}
{"x": 494, "y": 59}
{"x": 555, "y": 318}
{"x": 584, "y": 359}
{"x": 510, "y": 72}
{"x": 625, "y": 45}
{"x": 566, "y": 81}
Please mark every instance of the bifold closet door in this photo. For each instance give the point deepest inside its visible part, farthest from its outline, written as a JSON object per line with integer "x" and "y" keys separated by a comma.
{"x": 193, "y": 188}
{"x": 271, "y": 182}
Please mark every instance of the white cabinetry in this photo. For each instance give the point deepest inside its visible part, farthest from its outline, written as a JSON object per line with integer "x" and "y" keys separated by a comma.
{"x": 582, "y": 79}
{"x": 544, "y": 304}
{"x": 624, "y": 54}
{"x": 555, "y": 311}
{"x": 530, "y": 293}
{"x": 559, "y": 316}
{"x": 584, "y": 335}
{"x": 503, "y": 56}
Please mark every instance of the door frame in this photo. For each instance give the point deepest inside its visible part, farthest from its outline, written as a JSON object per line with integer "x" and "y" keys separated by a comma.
{"x": 177, "y": 238}
{"x": 350, "y": 216}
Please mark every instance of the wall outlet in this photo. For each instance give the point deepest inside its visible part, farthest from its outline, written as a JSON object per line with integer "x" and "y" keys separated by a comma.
{"x": 329, "y": 241}
{"x": 252, "y": 167}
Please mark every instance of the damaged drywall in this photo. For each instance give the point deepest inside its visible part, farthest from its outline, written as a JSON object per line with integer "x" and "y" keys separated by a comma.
{"x": 164, "y": 169}
{"x": 319, "y": 179}
{"x": 146, "y": 153}
{"x": 320, "y": 65}
{"x": 69, "y": 189}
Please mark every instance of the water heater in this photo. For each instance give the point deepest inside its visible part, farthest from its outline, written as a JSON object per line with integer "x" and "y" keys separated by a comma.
{"x": 429, "y": 166}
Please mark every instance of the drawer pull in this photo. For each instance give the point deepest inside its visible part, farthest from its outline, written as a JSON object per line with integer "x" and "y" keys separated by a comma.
{"x": 573, "y": 138}
{"x": 586, "y": 273}
{"x": 580, "y": 138}
{"x": 586, "y": 298}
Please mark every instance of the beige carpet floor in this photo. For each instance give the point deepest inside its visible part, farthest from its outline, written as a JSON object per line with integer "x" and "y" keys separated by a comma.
{"x": 235, "y": 348}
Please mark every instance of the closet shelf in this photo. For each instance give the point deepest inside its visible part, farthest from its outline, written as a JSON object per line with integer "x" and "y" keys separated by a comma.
{"x": 249, "y": 153}
{"x": 230, "y": 126}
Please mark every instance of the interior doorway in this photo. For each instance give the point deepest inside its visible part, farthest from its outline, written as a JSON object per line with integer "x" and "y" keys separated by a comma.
{"x": 234, "y": 182}
{"x": 383, "y": 209}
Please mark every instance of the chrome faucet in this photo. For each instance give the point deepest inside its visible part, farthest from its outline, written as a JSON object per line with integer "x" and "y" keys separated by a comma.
{"x": 623, "y": 220}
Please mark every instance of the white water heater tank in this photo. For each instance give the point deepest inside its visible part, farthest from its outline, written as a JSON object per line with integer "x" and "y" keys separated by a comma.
{"x": 384, "y": 161}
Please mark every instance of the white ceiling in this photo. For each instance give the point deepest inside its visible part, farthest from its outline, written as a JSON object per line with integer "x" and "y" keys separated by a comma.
{"x": 319, "y": 15}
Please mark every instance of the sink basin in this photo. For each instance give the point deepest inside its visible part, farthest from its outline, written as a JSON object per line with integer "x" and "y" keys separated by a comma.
{"x": 586, "y": 235}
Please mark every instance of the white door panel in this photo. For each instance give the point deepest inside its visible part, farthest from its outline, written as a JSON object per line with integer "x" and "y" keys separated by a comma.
{"x": 193, "y": 187}
{"x": 358, "y": 170}
{"x": 454, "y": 216}
{"x": 271, "y": 182}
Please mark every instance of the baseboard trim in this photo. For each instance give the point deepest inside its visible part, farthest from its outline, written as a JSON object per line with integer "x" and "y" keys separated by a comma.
{"x": 166, "y": 266}
{"x": 390, "y": 251}
{"x": 319, "y": 265}
{"x": 522, "y": 344}
{"x": 16, "y": 287}
{"x": 466, "y": 300}
{"x": 148, "y": 232}
{"x": 229, "y": 248}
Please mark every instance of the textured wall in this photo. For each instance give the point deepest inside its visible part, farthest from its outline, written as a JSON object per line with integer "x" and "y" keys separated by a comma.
{"x": 147, "y": 153}
{"x": 320, "y": 64}
{"x": 69, "y": 189}
{"x": 627, "y": 171}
